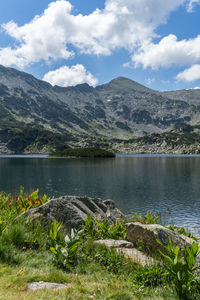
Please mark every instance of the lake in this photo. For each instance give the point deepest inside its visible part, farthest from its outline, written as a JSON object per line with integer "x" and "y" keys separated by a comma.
{"x": 164, "y": 184}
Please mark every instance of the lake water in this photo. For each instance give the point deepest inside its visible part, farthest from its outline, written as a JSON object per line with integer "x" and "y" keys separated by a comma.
{"x": 135, "y": 182}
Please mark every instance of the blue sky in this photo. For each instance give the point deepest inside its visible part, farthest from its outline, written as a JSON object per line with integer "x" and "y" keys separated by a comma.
{"x": 154, "y": 42}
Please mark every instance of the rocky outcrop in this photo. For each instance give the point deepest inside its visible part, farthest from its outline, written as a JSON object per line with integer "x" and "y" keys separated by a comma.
{"x": 136, "y": 256}
{"x": 149, "y": 234}
{"x": 146, "y": 237}
{"x": 72, "y": 210}
{"x": 138, "y": 147}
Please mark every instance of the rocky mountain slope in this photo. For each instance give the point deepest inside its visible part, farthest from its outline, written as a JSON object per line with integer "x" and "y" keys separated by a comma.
{"x": 35, "y": 116}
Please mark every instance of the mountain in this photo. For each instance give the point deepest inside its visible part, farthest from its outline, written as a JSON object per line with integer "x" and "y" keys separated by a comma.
{"x": 35, "y": 116}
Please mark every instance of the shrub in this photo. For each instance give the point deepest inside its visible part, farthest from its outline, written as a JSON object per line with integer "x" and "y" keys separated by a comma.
{"x": 24, "y": 236}
{"x": 149, "y": 218}
{"x": 11, "y": 206}
{"x": 8, "y": 253}
{"x": 102, "y": 230}
{"x": 15, "y": 234}
{"x": 180, "y": 268}
{"x": 64, "y": 251}
{"x": 108, "y": 259}
{"x": 151, "y": 276}
{"x": 19, "y": 236}
{"x": 25, "y": 201}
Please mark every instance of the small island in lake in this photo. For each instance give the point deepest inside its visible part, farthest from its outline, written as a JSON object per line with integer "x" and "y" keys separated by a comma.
{"x": 83, "y": 152}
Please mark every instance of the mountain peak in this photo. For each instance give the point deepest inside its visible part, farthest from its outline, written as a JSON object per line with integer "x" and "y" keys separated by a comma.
{"x": 126, "y": 83}
{"x": 121, "y": 79}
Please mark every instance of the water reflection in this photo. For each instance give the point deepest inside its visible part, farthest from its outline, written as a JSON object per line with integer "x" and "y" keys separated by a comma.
{"x": 138, "y": 183}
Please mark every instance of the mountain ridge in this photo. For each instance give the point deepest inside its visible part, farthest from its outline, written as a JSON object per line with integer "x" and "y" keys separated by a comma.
{"x": 119, "y": 110}
{"x": 114, "y": 80}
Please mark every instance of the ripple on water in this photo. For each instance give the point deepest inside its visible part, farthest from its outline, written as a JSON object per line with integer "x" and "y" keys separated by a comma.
{"x": 135, "y": 183}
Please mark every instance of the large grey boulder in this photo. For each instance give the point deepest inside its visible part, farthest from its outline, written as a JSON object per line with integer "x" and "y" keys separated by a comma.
{"x": 72, "y": 210}
{"x": 148, "y": 235}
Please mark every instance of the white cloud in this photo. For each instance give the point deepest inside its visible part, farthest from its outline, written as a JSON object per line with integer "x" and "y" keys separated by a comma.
{"x": 191, "y": 4}
{"x": 41, "y": 39}
{"x": 70, "y": 76}
{"x": 169, "y": 51}
{"x": 127, "y": 65}
{"x": 149, "y": 81}
{"x": 191, "y": 74}
{"x": 121, "y": 24}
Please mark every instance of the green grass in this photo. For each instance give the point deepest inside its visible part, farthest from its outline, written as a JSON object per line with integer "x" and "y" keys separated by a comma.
{"x": 29, "y": 252}
{"x": 95, "y": 283}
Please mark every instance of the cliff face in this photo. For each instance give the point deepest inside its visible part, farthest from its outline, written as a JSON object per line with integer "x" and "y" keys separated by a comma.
{"x": 47, "y": 117}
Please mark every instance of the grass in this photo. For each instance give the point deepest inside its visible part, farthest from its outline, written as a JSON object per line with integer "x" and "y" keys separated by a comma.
{"x": 29, "y": 252}
{"x": 95, "y": 283}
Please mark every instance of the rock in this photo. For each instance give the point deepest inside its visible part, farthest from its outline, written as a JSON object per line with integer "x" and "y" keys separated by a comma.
{"x": 136, "y": 256}
{"x": 126, "y": 248}
{"x": 33, "y": 286}
{"x": 4, "y": 150}
{"x": 72, "y": 210}
{"x": 115, "y": 243}
{"x": 148, "y": 234}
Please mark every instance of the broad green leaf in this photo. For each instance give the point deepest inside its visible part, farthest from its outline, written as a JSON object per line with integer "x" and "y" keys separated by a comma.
{"x": 167, "y": 258}
{"x": 53, "y": 250}
{"x": 194, "y": 248}
{"x": 178, "y": 275}
{"x": 159, "y": 242}
{"x": 176, "y": 250}
{"x": 176, "y": 258}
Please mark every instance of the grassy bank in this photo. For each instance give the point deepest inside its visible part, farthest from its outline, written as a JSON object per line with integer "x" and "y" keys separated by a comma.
{"x": 30, "y": 252}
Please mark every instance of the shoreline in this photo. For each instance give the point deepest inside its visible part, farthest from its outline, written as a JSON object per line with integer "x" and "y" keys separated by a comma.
{"x": 46, "y": 155}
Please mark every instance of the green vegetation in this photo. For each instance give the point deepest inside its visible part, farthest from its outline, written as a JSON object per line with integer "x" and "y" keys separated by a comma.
{"x": 149, "y": 218}
{"x": 181, "y": 267}
{"x": 181, "y": 230}
{"x": 11, "y": 206}
{"x": 83, "y": 152}
{"x": 30, "y": 252}
{"x": 102, "y": 230}
{"x": 24, "y": 139}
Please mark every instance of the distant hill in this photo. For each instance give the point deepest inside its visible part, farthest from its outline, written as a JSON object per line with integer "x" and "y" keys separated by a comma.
{"x": 80, "y": 115}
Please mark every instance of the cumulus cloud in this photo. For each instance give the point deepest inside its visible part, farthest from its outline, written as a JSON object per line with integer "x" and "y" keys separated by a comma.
{"x": 70, "y": 76}
{"x": 41, "y": 39}
{"x": 191, "y": 4}
{"x": 169, "y": 51}
{"x": 121, "y": 24}
{"x": 190, "y": 74}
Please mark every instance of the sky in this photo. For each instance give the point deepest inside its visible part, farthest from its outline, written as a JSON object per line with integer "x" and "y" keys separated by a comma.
{"x": 153, "y": 42}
